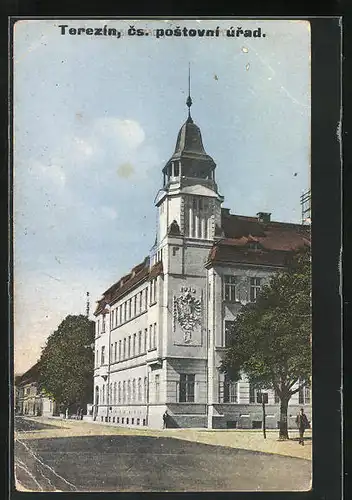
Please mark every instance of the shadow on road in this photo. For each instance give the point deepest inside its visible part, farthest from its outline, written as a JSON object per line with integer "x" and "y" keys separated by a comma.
{"x": 145, "y": 463}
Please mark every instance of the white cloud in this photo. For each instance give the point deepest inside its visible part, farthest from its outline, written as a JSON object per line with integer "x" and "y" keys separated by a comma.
{"x": 109, "y": 213}
{"x": 83, "y": 146}
{"x": 52, "y": 172}
{"x": 128, "y": 132}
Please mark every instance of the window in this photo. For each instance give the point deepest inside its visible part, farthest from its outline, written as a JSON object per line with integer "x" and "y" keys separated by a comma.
{"x": 229, "y": 394}
{"x": 103, "y": 325}
{"x": 255, "y": 395}
{"x": 140, "y": 342}
{"x": 114, "y": 400}
{"x": 145, "y": 299}
{"x": 150, "y": 336}
{"x": 229, "y": 288}
{"x": 251, "y": 393}
{"x": 145, "y": 339}
{"x": 125, "y": 311}
{"x": 157, "y": 388}
{"x": 154, "y": 336}
{"x": 229, "y": 329}
{"x": 140, "y": 301}
{"x": 145, "y": 390}
{"x": 124, "y": 392}
{"x": 103, "y": 393}
{"x": 120, "y": 350}
{"x": 119, "y": 393}
{"x": 130, "y": 309}
{"x": 111, "y": 352}
{"x": 128, "y": 392}
{"x": 115, "y": 353}
{"x": 254, "y": 245}
{"x": 124, "y": 349}
{"x": 135, "y": 305}
{"x": 139, "y": 390}
{"x": 152, "y": 291}
{"x": 96, "y": 358}
{"x": 134, "y": 390}
{"x": 129, "y": 347}
{"x": 102, "y": 357}
{"x": 134, "y": 344}
{"x": 306, "y": 395}
{"x": 187, "y": 383}
{"x": 254, "y": 288}
{"x": 120, "y": 314}
{"x": 303, "y": 394}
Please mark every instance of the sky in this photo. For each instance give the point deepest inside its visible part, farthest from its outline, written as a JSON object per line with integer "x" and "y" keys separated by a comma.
{"x": 95, "y": 120}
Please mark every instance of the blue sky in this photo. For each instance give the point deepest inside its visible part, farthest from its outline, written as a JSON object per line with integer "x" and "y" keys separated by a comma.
{"x": 96, "y": 118}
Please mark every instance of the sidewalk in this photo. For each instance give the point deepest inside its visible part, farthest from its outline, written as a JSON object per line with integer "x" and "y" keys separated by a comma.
{"x": 238, "y": 438}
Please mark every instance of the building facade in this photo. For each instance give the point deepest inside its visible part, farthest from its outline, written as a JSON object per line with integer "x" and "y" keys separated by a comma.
{"x": 29, "y": 400}
{"x": 161, "y": 330}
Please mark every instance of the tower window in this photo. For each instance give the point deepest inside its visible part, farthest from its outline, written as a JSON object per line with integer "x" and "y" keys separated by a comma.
{"x": 176, "y": 169}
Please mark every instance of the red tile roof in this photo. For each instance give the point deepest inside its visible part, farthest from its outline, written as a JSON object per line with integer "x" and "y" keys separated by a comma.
{"x": 275, "y": 241}
{"x": 140, "y": 273}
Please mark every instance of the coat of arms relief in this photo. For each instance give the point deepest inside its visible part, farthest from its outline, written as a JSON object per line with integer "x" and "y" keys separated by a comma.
{"x": 187, "y": 312}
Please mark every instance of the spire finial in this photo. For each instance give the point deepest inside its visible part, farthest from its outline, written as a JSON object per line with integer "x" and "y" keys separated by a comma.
{"x": 189, "y": 99}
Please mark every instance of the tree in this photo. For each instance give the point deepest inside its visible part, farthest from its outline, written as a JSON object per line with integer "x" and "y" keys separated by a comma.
{"x": 67, "y": 362}
{"x": 271, "y": 339}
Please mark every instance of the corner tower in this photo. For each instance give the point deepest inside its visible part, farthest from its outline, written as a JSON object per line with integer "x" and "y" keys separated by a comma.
{"x": 189, "y": 203}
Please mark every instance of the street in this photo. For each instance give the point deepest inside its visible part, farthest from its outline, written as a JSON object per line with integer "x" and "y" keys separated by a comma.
{"x": 144, "y": 463}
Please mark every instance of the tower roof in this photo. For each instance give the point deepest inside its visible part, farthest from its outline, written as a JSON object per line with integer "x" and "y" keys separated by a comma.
{"x": 195, "y": 162}
{"x": 189, "y": 141}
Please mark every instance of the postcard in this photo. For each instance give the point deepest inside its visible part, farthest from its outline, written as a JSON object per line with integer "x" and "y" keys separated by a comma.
{"x": 162, "y": 265}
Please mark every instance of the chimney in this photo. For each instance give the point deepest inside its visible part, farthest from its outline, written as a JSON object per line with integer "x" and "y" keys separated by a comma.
{"x": 264, "y": 217}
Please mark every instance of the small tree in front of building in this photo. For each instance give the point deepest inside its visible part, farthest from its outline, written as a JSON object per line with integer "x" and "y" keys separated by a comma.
{"x": 271, "y": 339}
{"x": 67, "y": 362}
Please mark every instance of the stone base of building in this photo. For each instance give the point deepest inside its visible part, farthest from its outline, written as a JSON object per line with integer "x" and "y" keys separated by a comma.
{"x": 187, "y": 415}
{"x": 237, "y": 416}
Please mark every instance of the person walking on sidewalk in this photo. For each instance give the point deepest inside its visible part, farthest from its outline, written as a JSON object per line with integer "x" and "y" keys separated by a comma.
{"x": 165, "y": 419}
{"x": 302, "y": 424}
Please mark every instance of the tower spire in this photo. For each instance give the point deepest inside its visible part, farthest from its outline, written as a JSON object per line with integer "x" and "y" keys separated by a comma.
{"x": 189, "y": 99}
{"x": 87, "y": 305}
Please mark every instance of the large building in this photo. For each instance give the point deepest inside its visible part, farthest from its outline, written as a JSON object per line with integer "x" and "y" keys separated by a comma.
{"x": 161, "y": 330}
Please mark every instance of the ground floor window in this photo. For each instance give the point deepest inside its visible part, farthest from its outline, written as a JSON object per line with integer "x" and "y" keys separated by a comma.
{"x": 187, "y": 383}
{"x": 228, "y": 391}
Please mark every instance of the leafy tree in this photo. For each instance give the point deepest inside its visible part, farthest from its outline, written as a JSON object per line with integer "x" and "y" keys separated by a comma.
{"x": 271, "y": 339}
{"x": 66, "y": 363}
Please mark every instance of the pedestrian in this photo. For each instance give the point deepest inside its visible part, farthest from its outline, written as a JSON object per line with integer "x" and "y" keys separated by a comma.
{"x": 165, "y": 419}
{"x": 66, "y": 413}
{"x": 302, "y": 424}
{"x": 81, "y": 414}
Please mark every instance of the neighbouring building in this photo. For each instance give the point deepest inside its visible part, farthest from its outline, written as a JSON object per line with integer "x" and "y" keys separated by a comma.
{"x": 29, "y": 400}
{"x": 161, "y": 330}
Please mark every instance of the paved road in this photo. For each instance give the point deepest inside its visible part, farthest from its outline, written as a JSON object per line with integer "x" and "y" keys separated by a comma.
{"x": 145, "y": 463}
